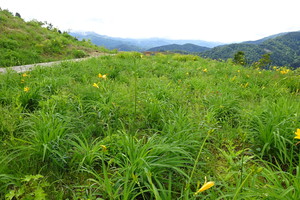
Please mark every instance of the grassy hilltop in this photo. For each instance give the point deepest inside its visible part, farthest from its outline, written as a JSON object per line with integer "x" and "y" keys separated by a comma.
{"x": 135, "y": 127}
{"x": 34, "y": 42}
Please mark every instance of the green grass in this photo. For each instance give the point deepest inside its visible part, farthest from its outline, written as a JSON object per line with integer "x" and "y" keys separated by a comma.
{"x": 153, "y": 129}
{"x": 35, "y": 42}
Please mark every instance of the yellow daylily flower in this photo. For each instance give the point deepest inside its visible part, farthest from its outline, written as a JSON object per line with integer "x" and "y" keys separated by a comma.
{"x": 102, "y": 76}
{"x": 205, "y": 186}
{"x": 104, "y": 148}
{"x": 26, "y": 89}
{"x": 297, "y": 133}
{"x": 95, "y": 85}
{"x": 285, "y": 71}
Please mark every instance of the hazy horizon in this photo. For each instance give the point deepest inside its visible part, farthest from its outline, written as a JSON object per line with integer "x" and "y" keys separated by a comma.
{"x": 215, "y": 21}
{"x": 181, "y": 39}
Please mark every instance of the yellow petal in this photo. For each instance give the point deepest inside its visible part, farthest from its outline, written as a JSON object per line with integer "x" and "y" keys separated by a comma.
{"x": 104, "y": 148}
{"x": 95, "y": 85}
{"x": 297, "y": 133}
{"x": 26, "y": 89}
{"x": 205, "y": 186}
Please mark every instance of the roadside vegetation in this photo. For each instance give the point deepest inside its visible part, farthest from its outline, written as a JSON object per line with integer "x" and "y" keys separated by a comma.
{"x": 164, "y": 127}
{"x": 32, "y": 42}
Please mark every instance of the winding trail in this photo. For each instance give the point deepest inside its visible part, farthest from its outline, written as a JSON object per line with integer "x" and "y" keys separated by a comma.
{"x": 25, "y": 68}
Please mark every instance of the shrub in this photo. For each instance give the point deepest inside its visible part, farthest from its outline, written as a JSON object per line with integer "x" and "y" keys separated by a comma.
{"x": 79, "y": 54}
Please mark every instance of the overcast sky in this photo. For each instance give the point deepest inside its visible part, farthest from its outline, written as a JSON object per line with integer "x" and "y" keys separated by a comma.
{"x": 210, "y": 20}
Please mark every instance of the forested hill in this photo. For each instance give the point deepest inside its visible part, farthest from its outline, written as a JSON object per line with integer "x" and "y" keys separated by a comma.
{"x": 32, "y": 42}
{"x": 284, "y": 50}
{"x": 180, "y": 48}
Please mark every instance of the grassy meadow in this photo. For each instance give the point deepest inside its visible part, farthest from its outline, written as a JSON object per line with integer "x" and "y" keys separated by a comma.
{"x": 130, "y": 126}
{"x": 33, "y": 41}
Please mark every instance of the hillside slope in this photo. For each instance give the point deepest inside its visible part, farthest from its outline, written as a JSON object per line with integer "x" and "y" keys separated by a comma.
{"x": 284, "y": 50}
{"x": 31, "y": 42}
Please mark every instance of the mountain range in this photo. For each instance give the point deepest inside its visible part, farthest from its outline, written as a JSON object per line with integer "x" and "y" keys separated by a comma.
{"x": 284, "y": 48}
{"x": 128, "y": 44}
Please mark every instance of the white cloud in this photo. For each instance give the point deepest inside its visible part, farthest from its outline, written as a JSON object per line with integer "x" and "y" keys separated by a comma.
{"x": 214, "y": 20}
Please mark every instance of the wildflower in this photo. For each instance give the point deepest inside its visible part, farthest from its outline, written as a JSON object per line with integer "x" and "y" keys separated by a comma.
{"x": 233, "y": 78}
{"x": 205, "y": 70}
{"x": 95, "y": 85}
{"x": 104, "y": 148}
{"x": 283, "y": 72}
{"x": 26, "y": 89}
{"x": 297, "y": 133}
{"x": 102, "y": 76}
{"x": 205, "y": 186}
{"x": 24, "y": 75}
{"x": 238, "y": 71}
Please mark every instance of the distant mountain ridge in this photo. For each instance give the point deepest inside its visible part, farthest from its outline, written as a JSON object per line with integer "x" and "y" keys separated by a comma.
{"x": 265, "y": 38}
{"x": 189, "y": 48}
{"x": 123, "y": 44}
{"x": 284, "y": 49}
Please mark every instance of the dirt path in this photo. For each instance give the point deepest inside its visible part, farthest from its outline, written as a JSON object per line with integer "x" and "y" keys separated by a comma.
{"x": 24, "y": 68}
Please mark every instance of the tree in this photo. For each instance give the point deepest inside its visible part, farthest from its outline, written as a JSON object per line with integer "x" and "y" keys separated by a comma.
{"x": 18, "y": 15}
{"x": 265, "y": 61}
{"x": 239, "y": 58}
{"x": 49, "y": 26}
